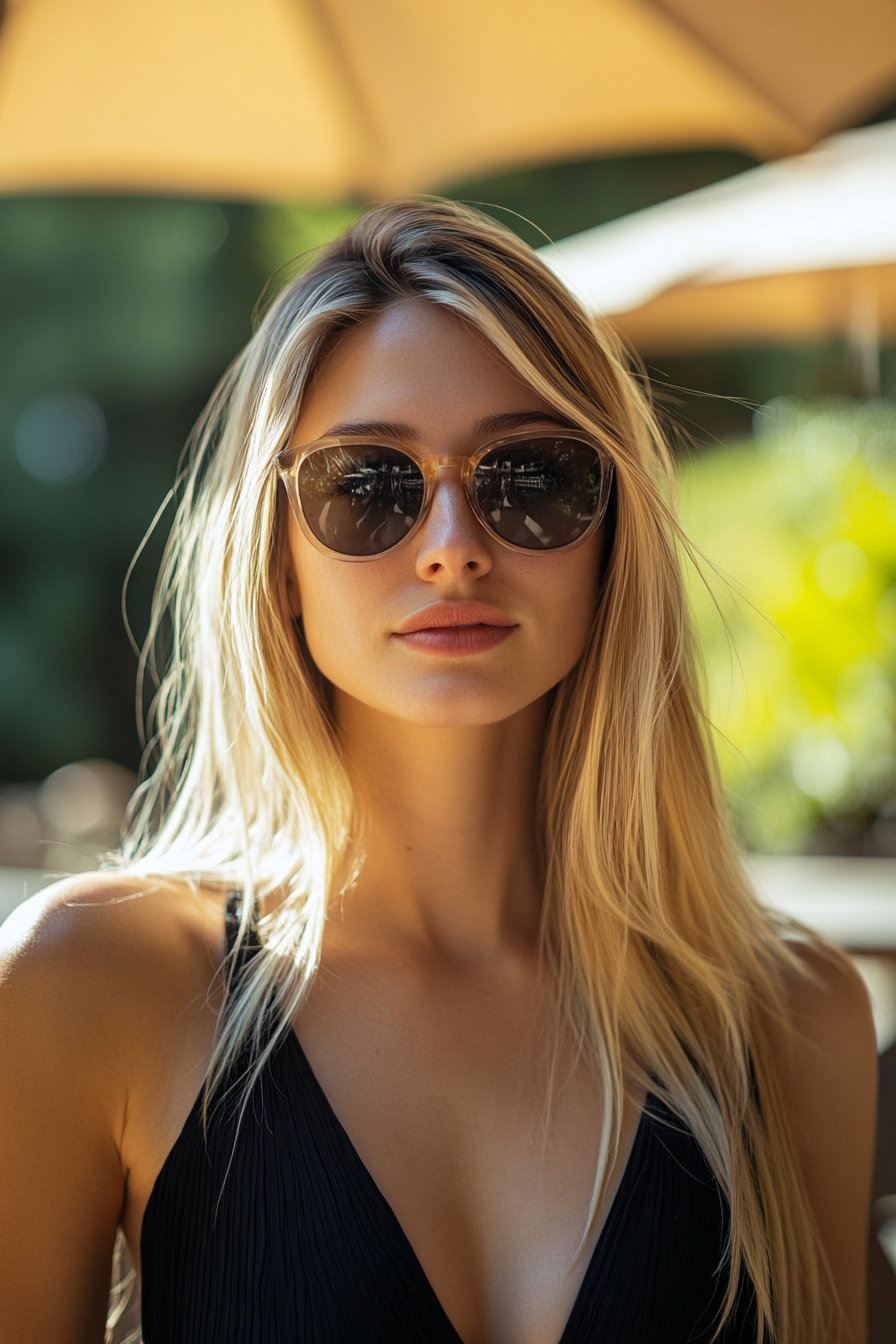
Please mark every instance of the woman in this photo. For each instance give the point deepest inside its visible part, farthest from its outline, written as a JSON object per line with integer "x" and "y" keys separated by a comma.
{"x": 429, "y": 716}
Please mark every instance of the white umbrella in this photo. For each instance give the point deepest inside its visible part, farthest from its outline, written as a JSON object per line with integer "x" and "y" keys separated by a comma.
{"x": 802, "y": 247}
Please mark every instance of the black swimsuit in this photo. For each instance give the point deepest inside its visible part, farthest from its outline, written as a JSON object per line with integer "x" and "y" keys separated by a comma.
{"x": 278, "y": 1234}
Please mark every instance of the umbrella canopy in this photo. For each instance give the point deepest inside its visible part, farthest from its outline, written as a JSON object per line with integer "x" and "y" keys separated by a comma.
{"x": 797, "y": 249}
{"x": 284, "y": 98}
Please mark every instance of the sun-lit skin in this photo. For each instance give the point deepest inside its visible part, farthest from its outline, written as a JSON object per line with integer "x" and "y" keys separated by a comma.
{"x": 418, "y": 366}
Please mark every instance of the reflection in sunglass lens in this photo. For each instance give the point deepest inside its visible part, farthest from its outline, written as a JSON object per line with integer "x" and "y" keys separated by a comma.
{"x": 360, "y": 500}
{"x": 541, "y": 493}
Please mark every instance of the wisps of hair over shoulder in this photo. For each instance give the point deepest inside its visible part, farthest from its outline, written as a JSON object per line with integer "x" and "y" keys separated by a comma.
{"x": 667, "y": 969}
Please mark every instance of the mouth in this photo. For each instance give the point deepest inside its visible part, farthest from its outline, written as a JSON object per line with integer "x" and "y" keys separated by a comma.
{"x": 455, "y": 629}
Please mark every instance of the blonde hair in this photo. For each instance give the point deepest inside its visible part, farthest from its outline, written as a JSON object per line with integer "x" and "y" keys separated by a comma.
{"x": 667, "y": 968}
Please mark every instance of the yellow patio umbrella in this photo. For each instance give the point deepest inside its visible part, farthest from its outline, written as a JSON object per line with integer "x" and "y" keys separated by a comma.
{"x": 289, "y": 98}
{"x": 791, "y": 251}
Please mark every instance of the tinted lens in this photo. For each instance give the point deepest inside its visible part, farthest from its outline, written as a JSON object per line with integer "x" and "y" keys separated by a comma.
{"x": 360, "y": 500}
{"x": 541, "y": 493}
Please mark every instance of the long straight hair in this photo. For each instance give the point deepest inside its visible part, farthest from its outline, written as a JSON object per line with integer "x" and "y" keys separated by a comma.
{"x": 667, "y": 969}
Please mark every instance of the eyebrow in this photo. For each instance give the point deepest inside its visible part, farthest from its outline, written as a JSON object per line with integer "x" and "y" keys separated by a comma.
{"x": 497, "y": 424}
{"x": 386, "y": 429}
{"x": 405, "y": 433}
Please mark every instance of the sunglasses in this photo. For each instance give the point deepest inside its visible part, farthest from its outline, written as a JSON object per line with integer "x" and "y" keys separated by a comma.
{"x": 533, "y": 492}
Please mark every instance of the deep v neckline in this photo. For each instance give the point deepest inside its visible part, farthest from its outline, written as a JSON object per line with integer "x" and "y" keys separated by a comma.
{"x": 613, "y": 1215}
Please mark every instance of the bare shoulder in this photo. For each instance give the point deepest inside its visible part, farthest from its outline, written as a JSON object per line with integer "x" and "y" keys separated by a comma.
{"x": 827, "y": 1059}
{"x": 829, "y": 1010}
{"x": 828, "y": 1070}
{"x": 105, "y": 923}
{"x": 99, "y": 952}
{"x": 105, "y": 1024}
{"x": 91, "y": 905}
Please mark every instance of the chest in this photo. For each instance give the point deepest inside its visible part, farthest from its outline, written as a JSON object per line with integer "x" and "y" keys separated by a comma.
{"x": 274, "y": 1229}
{"x": 442, "y": 1087}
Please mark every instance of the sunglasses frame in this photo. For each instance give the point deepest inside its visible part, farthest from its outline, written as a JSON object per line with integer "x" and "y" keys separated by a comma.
{"x": 289, "y": 460}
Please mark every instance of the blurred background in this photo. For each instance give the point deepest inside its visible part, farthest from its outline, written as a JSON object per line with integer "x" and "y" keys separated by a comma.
{"x": 120, "y": 313}
{"x": 718, "y": 177}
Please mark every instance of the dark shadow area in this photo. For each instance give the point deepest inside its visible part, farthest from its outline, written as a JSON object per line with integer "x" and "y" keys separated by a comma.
{"x": 881, "y": 1278}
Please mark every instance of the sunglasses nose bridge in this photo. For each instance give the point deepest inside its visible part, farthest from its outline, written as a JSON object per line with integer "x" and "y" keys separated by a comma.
{"x": 445, "y": 461}
{"x": 449, "y": 465}
{"x": 452, "y": 468}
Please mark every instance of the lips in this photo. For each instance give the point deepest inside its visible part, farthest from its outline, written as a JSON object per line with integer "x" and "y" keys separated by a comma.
{"x": 454, "y": 629}
{"x": 443, "y": 615}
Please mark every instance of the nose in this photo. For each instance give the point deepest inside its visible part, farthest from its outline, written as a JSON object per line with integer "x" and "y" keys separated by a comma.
{"x": 452, "y": 543}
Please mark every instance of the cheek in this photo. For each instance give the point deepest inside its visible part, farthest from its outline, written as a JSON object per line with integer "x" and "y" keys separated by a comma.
{"x": 336, "y": 602}
{"x": 329, "y": 618}
{"x": 568, "y": 595}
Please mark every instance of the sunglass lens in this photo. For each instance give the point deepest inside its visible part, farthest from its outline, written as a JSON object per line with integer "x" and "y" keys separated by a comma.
{"x": 360, "y": 500}
{"x": 541, "y": 493}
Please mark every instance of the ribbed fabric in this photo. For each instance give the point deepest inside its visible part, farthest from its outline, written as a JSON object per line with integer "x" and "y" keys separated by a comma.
{"x": 274, "y": 1232}
{"x": 295, "y": 1244}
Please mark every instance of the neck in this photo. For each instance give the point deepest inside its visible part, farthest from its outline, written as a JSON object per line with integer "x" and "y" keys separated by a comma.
{"x": 449, "y": 831}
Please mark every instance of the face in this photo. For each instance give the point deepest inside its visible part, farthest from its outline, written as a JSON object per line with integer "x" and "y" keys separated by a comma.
{"x": 386, "y": 632}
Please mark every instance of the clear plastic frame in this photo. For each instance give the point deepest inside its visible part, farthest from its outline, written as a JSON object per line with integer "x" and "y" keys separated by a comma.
{"x": 359, "y": 499}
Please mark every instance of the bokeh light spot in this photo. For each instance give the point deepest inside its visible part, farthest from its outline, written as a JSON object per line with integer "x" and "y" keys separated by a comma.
{"x": 61, "y": 439}
{"x": 821, "y": 769}
{"x": 200, "y": 229}
{"x": 82, "y": 806}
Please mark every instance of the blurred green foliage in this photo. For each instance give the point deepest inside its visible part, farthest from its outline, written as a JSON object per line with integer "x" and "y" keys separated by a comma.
{"x": 798, "y": 622}
{"x": 550, "y": 202}
{"x": 138, "y": 305}
{"x": 540, "y": 204}
{"x": 288, "y": 234}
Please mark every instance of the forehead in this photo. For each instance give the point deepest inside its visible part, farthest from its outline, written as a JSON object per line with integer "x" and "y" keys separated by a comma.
{"x": 418, "y": 364}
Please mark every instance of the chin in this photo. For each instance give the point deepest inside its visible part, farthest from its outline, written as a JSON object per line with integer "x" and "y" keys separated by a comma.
{"x": 453, "y": 707}
{"x": 444, "y": 717}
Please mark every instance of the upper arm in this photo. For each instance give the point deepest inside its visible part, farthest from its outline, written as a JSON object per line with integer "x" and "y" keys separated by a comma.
{"x": 62, "y": 1101}
{"x": 829, "y": 1078}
